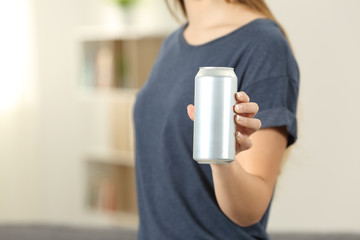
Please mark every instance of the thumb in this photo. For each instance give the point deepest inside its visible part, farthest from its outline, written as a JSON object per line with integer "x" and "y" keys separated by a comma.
{"x": 191, "y": 111}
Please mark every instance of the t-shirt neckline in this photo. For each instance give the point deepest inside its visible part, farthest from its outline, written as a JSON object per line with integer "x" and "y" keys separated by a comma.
{"x": 239, "y": 29}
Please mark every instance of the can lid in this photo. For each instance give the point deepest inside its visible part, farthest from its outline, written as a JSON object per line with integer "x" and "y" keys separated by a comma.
{"x": 217, "y": 68}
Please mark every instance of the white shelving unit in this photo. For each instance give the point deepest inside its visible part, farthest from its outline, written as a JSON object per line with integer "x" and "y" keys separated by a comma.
{"x": 114, "y": 64}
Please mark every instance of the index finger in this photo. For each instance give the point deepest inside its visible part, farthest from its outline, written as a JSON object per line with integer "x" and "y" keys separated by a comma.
{"x": 242, "y": 97}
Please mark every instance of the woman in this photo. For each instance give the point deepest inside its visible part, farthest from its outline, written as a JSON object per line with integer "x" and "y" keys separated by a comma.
{"x": 179, "y": 198}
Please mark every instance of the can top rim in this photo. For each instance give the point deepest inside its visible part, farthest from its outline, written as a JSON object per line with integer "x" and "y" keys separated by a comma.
{"x": 217, "y": 68}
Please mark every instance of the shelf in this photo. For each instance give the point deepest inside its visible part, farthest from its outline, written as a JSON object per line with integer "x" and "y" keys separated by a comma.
{"x": 111, "y": 157}
{"x": 114, "y": 65}
{"x": 113, "y": 219}
{"x": 103, "y": 33}
{"x": 118, "y": 63}
{"x": 111, "y": 187}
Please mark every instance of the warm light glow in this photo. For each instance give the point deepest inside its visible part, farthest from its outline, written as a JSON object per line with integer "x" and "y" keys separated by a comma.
{"x": 9, "y": 93}
{"x": 15, "y": 49}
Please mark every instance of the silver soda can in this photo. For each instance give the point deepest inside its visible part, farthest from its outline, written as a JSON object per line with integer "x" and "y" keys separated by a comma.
{"x": 214, "y": 125}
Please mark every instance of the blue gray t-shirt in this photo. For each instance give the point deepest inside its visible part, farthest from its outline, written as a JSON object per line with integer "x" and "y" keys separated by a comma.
{"x": 176, "y": 196}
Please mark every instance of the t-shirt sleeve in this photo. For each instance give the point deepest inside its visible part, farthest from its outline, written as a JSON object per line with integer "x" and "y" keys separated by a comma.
{"x": 271, "y": 79}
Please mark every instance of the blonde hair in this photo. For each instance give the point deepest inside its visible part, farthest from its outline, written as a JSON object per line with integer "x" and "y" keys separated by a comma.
{"x": 257, "y": 5}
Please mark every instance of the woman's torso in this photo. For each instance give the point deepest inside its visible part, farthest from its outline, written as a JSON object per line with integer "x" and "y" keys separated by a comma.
{"x": 175, "y": 194}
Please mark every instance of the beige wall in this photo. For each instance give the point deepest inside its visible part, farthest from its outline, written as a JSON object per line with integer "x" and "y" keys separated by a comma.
{"x": 319, "y": 187}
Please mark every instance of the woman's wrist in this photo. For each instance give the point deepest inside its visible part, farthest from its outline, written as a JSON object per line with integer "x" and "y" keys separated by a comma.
{"x": 226, "y": 170}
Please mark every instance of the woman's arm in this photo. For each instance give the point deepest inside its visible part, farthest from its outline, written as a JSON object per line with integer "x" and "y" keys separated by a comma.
{"x": 244, "y": 188}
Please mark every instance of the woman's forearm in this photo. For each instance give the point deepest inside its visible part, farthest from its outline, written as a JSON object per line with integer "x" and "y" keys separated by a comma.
{"x": 244, "y": 188}
{"x": 241, "y": 196}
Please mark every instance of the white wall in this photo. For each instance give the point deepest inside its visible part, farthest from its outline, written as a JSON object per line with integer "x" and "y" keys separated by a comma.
{"x": 319, "y": 187}
{"x": 41, "y": 173}
{"x": 41, "y": 149}
{"x": 19, "y": 149}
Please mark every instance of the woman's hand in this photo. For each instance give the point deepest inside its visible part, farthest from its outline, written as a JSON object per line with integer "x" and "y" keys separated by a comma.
{"x": 246, "y": 124}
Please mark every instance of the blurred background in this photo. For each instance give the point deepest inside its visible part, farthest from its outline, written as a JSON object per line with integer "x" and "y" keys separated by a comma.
{"x": 69, "y": 72}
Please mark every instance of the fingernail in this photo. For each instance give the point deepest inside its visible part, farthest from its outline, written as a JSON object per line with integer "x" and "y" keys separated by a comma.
{"x": 238, "y": 134}
{"x": 239, "y": 94}
{"x": 239, "y": 118}
{"x": 238, "y": 107}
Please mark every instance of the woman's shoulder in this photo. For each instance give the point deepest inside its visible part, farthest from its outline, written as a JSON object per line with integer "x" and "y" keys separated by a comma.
{"x": 267, "y": 41}
{"x": 268, "y": 52}
{"x": 266, "y": 34}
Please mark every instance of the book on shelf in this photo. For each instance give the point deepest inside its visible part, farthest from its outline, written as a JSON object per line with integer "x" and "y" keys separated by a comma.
{"x": 88, "y": 63}
{"x": 118, "y": 63}
{"x": 107, "y": 195}
{"x": 111, "y": 187}
{"x": 104, "y": 65}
